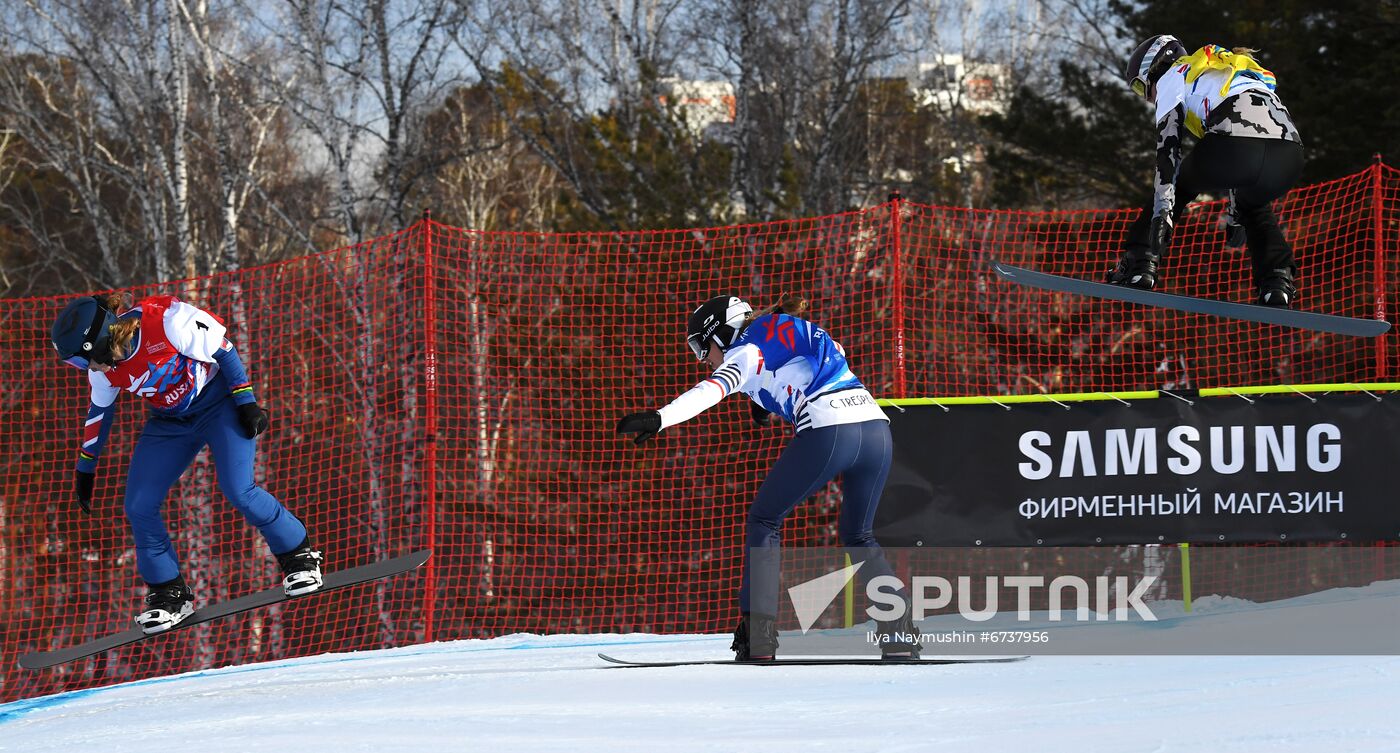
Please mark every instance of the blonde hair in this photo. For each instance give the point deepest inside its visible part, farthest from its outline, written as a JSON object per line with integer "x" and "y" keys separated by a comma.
{"x": 1247, "y": 52}
{"x": 788, "y": 303}
{"x": 123, "y": 331}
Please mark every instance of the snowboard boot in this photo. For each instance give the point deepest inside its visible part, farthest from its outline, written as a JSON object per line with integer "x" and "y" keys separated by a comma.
{"x": 167, "y": 604}
{"x": 1137, "y": 268}
{"x": 301, "y": 569}
{"x": 1276, "y": 288}
{"x": 899, "y": 639}
{"x": 756, "y": 638}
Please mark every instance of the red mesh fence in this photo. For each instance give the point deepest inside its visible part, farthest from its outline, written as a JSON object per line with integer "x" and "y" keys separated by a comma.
{"x": 339, "y": 361}
{"x": 968, "y": 333}
{"x": 458, "y": 390}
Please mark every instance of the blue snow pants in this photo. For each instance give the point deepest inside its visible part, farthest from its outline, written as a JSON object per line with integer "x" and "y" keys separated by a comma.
{"x": 167, "y": 446}
{"x": 860, "y": 454}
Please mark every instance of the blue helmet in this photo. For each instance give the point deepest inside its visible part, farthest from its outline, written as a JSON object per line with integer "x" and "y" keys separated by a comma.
{"x": 82, "y": 332}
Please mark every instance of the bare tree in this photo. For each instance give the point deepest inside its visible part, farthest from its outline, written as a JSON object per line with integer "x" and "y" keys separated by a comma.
{"x": 231, "y": 102}
{"x": 799, "y": 69}
{"x": 103, "y": 96}
{"x": 361, "y": 78}
{"x": 581, "y": 84}
{"x": 327, "y": 56}
{"x": 487, "y": 177}
{"x": 59, "y": 135}
{"x": 408, "y": 85}
{"x": 86, "y": 93}
{"x": 8, "y": 165}
{"x": 738, "y": 47}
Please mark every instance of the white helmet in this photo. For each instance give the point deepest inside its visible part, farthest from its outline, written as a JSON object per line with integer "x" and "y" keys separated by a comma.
{"x": 1150, "y": 60}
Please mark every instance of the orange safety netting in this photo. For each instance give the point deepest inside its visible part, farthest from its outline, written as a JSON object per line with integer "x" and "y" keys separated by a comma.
{"x": 458, "y": 390}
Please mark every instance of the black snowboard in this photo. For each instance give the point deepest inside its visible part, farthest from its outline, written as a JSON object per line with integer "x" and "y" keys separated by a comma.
{"x": 1338, "y": 325}
{"x": 334, "y": 580}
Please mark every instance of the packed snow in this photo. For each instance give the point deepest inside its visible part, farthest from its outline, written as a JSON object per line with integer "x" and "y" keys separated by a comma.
{"x": 552, "y": 693}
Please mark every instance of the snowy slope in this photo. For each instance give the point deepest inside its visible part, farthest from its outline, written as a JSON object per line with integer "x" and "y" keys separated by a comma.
{"x": 532, "y": 693}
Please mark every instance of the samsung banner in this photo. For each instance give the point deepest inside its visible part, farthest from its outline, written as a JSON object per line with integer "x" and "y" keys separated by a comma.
{"x": 1279, "y": 467}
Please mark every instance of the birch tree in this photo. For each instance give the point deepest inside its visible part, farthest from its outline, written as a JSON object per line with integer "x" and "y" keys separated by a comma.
{"x": 486, "y": 177}
{"x": 799, "y": 70}
{"x": 361, "y": 77}
{"x": 83, "y": 89}
{"x": 142, "y": 109}
{"x": 242, "y": 116}
{"x": 581, "y": 83}
{"x": 62, "y": 141}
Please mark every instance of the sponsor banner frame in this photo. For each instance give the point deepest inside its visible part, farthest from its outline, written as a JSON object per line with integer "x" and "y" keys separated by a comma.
{"x": 1225, "y": 465}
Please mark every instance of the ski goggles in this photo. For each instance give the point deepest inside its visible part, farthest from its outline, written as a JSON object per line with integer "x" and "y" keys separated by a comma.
{"x": 697, "y": 347}
{"x": 78, "y": 362}
{"x": 1149, "y": 60}
{"x": 96, "y": 346}
{"x": 100, "y": 353}
{"x": 85, "y": 362}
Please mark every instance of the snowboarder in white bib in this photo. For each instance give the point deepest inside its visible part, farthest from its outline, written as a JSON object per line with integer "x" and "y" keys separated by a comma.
{"x": 790, "y": 368}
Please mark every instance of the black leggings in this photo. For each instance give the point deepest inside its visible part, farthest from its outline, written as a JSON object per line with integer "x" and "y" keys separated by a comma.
{"x": 860, "y": 454}
{"x": 1259, "y": 171}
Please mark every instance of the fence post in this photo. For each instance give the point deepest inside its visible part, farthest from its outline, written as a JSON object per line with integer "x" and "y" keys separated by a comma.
{"x": 897, "y": 280}
{"x": 430, "y": 410}
{"x": 1378, "y": 215}
{"x": 1185, "y": 550}
{"x": 1382, "y": 352}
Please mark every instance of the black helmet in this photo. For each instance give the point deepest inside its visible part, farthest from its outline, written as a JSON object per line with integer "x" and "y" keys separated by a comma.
{"x": 1150, "y": 60}
{"x": 82, "y": 332}
{"x": 720, "y": 320}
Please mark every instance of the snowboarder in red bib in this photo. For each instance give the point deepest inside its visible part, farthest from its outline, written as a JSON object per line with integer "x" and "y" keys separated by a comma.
{"x": 1248, "y": 146}
{"x": 175, "y": 356}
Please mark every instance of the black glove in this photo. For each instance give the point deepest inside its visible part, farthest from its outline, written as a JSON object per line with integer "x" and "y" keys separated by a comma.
{"x": 253, "y": 418}
{"x": 82, "y": 489}
{"x": 761, "y": 415}
{"x": 644, "y": 425}
{"x": 1160, "y": 236}
{"x": 1234, "y": 235}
